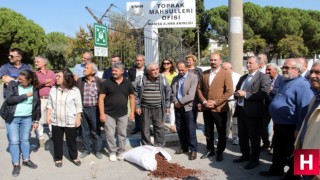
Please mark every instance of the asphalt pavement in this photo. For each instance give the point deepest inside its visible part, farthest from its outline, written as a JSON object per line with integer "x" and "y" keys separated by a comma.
{"x": 93, "y": 168}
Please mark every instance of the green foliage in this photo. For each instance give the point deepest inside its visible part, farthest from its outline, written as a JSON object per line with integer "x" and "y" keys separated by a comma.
{"x": 292, "y": 46}
{"x": 17, "y": 31}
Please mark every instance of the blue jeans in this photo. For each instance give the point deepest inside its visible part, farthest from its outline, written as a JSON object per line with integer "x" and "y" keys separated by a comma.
{"x": 19, "y": 134}
{"x": 91, "y": 135}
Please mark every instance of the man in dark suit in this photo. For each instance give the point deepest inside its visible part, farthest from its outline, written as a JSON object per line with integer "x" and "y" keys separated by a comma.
{"x": 184, "y": 88}
{"x": 214, "y": 89}
{"x": 272, "y": 72}
{"x": 251, "y": 91}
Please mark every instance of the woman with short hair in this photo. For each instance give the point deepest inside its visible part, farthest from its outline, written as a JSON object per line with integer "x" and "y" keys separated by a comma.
{"x": 64, "y": 114}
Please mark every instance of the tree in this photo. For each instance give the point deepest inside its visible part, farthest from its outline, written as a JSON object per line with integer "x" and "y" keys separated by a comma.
{"x": 292, "y": 46}
{"x": 57, "y": 50}
{"x": 17, "y": 31}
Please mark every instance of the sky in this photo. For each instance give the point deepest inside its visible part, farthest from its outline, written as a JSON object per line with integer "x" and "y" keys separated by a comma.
{"x": 67, "y": 16}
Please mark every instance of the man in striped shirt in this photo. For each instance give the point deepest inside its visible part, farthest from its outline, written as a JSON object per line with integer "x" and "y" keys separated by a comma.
{"x": 153, "y": 102}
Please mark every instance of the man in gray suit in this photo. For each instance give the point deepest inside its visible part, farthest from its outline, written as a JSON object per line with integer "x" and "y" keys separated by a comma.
{"x": 183, "y": 92}
{"x": 251, "y": 91}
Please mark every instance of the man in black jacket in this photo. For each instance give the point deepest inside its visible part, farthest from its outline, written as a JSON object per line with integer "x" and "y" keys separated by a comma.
{"x": 138, "y": 70}
{"x": 89, "y": 87}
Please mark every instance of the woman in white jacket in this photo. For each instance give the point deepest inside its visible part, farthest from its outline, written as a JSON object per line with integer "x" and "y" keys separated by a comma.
{"x": 64, "y": 114}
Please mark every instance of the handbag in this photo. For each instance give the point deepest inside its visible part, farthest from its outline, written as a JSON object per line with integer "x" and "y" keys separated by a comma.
{"x": 4, "y": 111}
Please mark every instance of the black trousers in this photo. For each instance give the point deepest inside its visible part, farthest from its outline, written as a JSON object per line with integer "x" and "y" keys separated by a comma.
{"x": 249, "y": 132}
{"x": 57, "y": 137}
{"x": 283, "y": 145}
{"x": 220, "y": 120}
{"x": 186, "y": 128}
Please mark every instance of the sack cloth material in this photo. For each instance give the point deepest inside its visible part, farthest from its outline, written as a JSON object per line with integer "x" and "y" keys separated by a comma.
{"x": 145, "y": 156}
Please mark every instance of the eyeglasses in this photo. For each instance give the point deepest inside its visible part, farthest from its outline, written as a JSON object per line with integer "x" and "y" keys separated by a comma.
{"x": 12, "y": 56}
{"x": 317, "y": 72}
{"x": 287, "y": 67}
{"x": 166, "y": 63}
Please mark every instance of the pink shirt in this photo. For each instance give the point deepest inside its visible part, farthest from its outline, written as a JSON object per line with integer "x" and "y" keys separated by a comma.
{"x": 45, "y": 89}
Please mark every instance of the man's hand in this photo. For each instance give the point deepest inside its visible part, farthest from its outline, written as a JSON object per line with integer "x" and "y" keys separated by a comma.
{"x": 35, "y": 125}
{"x": 177, "y": 105}
{"x": 241, "y": 93}
{"x": 138, "y": 111}
{"x": 29, "y": 94}
{"x": 103, "y": 118}
{"x": 131, "y": 116}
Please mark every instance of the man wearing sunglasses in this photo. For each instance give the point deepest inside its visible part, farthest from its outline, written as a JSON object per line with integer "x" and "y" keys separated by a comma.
{"x": 10, "y": 71}
{"x": 288, "y": 109}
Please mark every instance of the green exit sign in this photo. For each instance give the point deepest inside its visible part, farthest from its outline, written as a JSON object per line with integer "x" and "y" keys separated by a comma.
{"x": 100, "y": 35}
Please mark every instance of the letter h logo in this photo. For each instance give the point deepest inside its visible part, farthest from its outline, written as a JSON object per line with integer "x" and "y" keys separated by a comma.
{"x": 306, "y": 162}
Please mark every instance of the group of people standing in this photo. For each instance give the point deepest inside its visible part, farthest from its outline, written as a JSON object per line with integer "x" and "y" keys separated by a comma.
{"x": 239, "y": 107}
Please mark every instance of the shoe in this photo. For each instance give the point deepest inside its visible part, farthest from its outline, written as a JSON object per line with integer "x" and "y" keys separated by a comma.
{"x": 41, "y": 142}
{"x": 207, "y": 154}
{"x": 120, "y": 157}
{"x": 58, "y": 164}
{"x": 84, "y": 154}
{"x": 113, "y": 157}
{"x": 76, "y": 162}
{"x": 30, "y": 164}
{"x": 241, "y": 159}
{"x": 180, "y": 151}
{"x": 235, "y": 141}
{"x": 251, "y": 165}
{"x": 264, "y": 147}
{"x": 98, "y": 155}
{"x": 193, "y": 155}
{"x": 135, "y": 131}
{"x": 271, "y": 172}
{"x": 219, "y": 157}
{"x": 16, "y": 170}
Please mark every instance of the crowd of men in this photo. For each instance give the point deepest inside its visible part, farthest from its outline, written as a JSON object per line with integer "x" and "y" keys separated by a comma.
{"x": 239, "y": 107}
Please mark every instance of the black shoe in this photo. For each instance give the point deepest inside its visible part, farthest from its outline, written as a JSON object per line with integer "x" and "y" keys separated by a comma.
{"x": 84, "y": 154}
{"x": 193, "y": 155}
{"x": 16, "y": 170}
{"x": 76, "y": 162}
{"x": 135, "y": 131}
{"x": 180, "y": 151}
{"x": 99, "y": 155}
{"x": 58, "y": 164}
{"x": 219, "y": 157}
{"x": 207, "y": 154}
{"x": 241, "y": 159}
{"x": 251, "y": 165}
{"x": 271, "y": 172}
{"x": 30, "y": 164}
{"x": 264, "y": 147}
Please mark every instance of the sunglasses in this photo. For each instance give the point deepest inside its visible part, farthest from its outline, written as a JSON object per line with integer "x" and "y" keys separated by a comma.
{"x": 286, "y": 67}
{"x": 12, "y": 56}
{"x": 166, "y": 63}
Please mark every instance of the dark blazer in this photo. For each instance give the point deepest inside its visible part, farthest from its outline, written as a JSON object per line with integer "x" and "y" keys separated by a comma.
{"x": 189, "y": 90}
{"x": 82, "y": 80}
{"x": 276, "y": 86}
{"x": 13, "y": 98}
{"x": 132, "y": 73}
{"x": 256, "y": 93}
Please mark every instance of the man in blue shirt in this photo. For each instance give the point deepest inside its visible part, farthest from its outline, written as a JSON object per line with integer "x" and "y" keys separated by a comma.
{"x": 10, "y": 71}
{"x": 78, "y": 68}
{"x": 288, "y": 109}
{"x": 107, "y": 74}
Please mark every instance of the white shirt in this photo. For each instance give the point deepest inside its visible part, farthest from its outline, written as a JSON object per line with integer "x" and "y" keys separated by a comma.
{"x": 212, "y": 75}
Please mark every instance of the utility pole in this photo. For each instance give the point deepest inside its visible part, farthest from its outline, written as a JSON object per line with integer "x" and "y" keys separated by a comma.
{"x": 99, "y": 21}
{"x": 236, "y": 35}
{"x": 198, "y": 37}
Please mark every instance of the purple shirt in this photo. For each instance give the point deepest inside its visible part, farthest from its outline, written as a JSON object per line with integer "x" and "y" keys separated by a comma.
{"x": 45, "y": 89}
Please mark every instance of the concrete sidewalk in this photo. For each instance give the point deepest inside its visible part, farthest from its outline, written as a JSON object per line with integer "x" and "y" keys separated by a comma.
{"x": 93, "y": 168}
